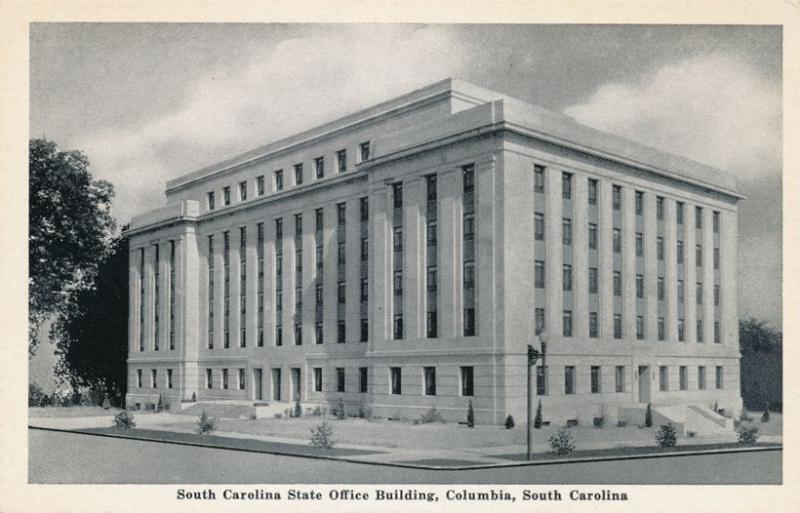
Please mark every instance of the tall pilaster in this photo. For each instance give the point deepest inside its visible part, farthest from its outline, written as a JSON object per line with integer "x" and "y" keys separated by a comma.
{"x": 728, "y": 280}
{"x": 690, "y": 271}
{"x": 651, "y": 267}
{"x": 628, "y": 263}
{"x": 606, "y": 248}
{"x": 380, "y": 266}
{"x": 671, "y": 269}
{"x": 554, "y": 258}
{"x": 708, "y": 276}
{"x": 413, "y": 247}
{"x": 580, "y": 256}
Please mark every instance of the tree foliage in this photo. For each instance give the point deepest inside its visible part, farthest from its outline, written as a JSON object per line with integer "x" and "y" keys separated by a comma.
{"x": 91, "y": 335}
{"x": 755, "y": 336}
{"x": 69, "y": 224}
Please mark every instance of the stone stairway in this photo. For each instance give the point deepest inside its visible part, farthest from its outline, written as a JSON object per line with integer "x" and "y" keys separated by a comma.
{"x": 697, "y": 419}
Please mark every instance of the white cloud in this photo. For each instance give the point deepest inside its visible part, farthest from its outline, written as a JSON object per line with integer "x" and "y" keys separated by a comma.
{"x": 713, "y": 108}
{"x": 295, "y": 85}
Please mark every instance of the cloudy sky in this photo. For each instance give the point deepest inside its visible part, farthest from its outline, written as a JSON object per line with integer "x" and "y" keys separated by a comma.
{"x": 149, "y": 102}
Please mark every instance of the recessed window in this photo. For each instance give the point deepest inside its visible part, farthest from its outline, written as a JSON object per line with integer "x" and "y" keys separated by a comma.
{"x": 209, "y": 378}
{"x": 720, "y": 378}
{"x": 619, "y": 379}
{"x": 566, "y": 231}
{"x": 319, "y": 167}
{"x": 341, "y": 161}
{"x": 569, "y": 380}
{"x": 538, "y": 226}
{"x": 469, "y": 322}
{"x": 396, "y": 380}
{"x": 640, "y": 286}
{"x": 567, "y": 323}
{"x": 154, "y": 378}
{"x": 716, "y": 222}
{"x": 699, "y": 292}
{"x": 683, "y": 378}
{"x": 242, "y": 191}
{"x": 429, "y": 377}
{"x": 566, "y": 278}
{"x": 260, "y": 185}
{"x": 340, "y": 379}
{"x": 210, "y": 200}
{"x": 639, "y": 244}
{"x": 169, "y": 378}
{"x": 639, "y": 327}
{"x": 680, "y": 291}
{"x": 660, "y": 248}
{"x": 317, "y": 379}
{"x": 661, "y": 329}
{"x": 616, "y": 195}
{"x": 398, "y": 327}
{"x": 592, "y": 236}
{"x": 701, "y": 378}
{"x": 592, "y": 280}
{"x": 700, "y": 330}
{"x": 698, "y": 255}
{"x": 680, "y": 251}
{"x": 298, "y": 174}
{"x": 660, "y": 288}
{"x": 698, "y": 217}
{"x": 663, "y": 378}
{"x": 681, "y": 331}
{"x": 538, "y": 178}
{"x": 539, "y": 320}
{"x": 617, "y": 326}
{"x": 341, "y": 332}
{"x": 279, "y": 180}
{"x": 639, "y": 203}
{"x": 592, "y": 191}
{"x": 594, "y": 372}
{"x": 538, "y": 274}
{"x": 660, "y": 207}
{"x": 241, "y": 380}
{"x": 592, "y": 324}
{"x": 226, "y": 196}
{"x": 566, "y": 185}
{"x": 467, "y": 388}
{"x": 679, "y": 212}
{"x": 224, "y": 379}
{"x": 617, "y": 240}
{"x": 138, "y": 378}
{"x": 617, "y": 283}
{"x": 363, "y": 151}
{"x": 363, "y": 380}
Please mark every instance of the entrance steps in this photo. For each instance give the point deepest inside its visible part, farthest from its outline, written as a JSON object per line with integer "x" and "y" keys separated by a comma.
{"x": 235, "y": 409}
{"x": 700, "y": 420}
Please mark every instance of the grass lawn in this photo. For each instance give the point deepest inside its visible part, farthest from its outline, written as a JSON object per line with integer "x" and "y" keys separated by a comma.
{"x": 70, "y": 411}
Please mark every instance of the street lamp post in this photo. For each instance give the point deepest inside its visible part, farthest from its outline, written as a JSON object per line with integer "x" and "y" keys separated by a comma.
{"x": 533, "y": 357}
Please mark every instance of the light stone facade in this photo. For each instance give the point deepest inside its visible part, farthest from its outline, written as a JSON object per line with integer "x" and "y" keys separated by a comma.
{"x": 485, "y": 150}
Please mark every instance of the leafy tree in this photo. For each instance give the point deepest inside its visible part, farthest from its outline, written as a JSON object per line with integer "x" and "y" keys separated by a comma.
{"x": 761, "y": 367}
{"x": 69, "y": 222}
{"x": 92, "y": 334}
{"x": 756, "y": 336}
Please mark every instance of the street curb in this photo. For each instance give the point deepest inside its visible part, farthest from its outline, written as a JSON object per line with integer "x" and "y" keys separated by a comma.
{"x": 483, "y": 466}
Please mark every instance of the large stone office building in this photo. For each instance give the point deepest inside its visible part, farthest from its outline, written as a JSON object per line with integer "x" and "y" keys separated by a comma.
{"x": 403, "y": 257}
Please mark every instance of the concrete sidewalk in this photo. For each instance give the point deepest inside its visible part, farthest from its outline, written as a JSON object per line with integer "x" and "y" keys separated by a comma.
{"x": 468, "y": 457}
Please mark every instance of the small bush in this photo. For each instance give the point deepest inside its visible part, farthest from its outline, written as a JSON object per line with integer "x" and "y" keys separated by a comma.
{"x": 691, "y": 434}
{"x": 598, "y": 422}
{"x": 322, "y": 436}
{"x": 37, "y": 397}
{"x": 747, "y": 433}
{"x": 537, "y": 421}
{"x": 667, "y": 436}
{"x": 648, "y": 416}
{"x": 431, "y": 416}
{"x": 509, "y": 422}
{"x": 562, "y": 442}
{"x": 124, "y": 420}
{"x": 621, "y": 423}
{"x": 745, "y": 417}
{"x": 765, "y": 416}
{"x": 470, "y": 415}
{"x": 279, "y": 415}
{"x": 194, "y": 397}
{"x": 106, "y": 402}
{"x": 716, "y": 407}
{"x": 206, "y": 424}
{"x": 364, "y": 412}
{"x": 339, "y": 411}
{"x": 298, "y": 411}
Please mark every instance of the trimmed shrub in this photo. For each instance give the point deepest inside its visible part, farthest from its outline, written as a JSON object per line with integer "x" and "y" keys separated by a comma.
{"x": 124, "y": 420}
{"x": 338, "y": 410}
{"x": 206, "y": 424}
{"x": 648, "y": 416}
{"x": 194, "y": 397}
{"x": 279, "y": 415}
{"x": 747, "y": 433}
{"x": 322, "y": 436}
{"x": 470, "y": 415}
{"x": 667, "y": 436}
{"x": 160, "y": 405}
{"x": 431, "y": 416}
{"x": 765, "y": 416}
{"x": 364, "y": 412}
{"x": 509, "y": 422}
{"x": 298, "y": 411}
{"x": 598, "y": 422}
{"x": 562, "y": 442}
{"x": 537, "y": 421}
{"x": 716, "y": 407}
{"x": 621, "y": 423}
{"x": 106, "y": 402}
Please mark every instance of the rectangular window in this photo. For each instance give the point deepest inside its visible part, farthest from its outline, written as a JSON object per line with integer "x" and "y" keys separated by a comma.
{"x": 661, "y": 328}
{"x": 679, "y": 212}
{"x": 396, "y": 380}
{"x": 700, "y": 330}
{"x": 298, "y": 334}
{"x": 469, "y": 275}
{"x": 639, "y": 244}
{"x": 260, "y": 185}
{"x": 660, "y": 288}
{"x": 716, "y": 295}
{"x": 538, "y": 178}
{"x": 341, "y": 161}
{"x": 680, "y": 251}
{"x": 617, "y": 283}
{"x": 430, "y": 234}
{"x": 617, "y": 240}
{"x": 680, "y": 291}
{"x": 363, "y": 380}
{"x": 566, "y": 278}
{"x": 210, "y": 200}
{"x": 538, "y": 226}
{"x": 398, "y": 283}
{"x": 340, "y": 292}
{"x": 701, "y": 378}
{"x": 539, "y": 320}
{"x": 567, "y": 323}
{"x": 681, "y": 331}
{"x": 209, "y": 378}
{"x": 364, "y": 329}
{"x": 698, "y": 255}
{"x": 699, "y": 292}
{"x": 569, "y": 380}
{"x": 469, "y": 227}
{"x": 716, "y": 222}
{"x": 363, "y": 209}
{"x": 364, "y": 249}
{"x": 429, "y": 375}
{"x": 592, "y": 191}
{"x": 538, "y": 274}
{"x": 616, "y": 197}
{"x": 639, "y": 286}
{"x": 663, "y": 378}
{"x": 340, "y": 379}
{"x": 592, "y": 280}
{"x": 541, "y": 380}
{"x": 595, "y": 379}
{"x": 138, "y": 378}
{"x": 279, "y": 180}
{"x": 317, "y": 377}
{"x": 431, "y": 324}
{"x": 319, "y": 167}
{"x": 363, "y": 151}
{"x": 716, "y": 258}
{"x": 397, "y": 194}
{"x": 617, "y": 326}
{"x": 719, "y": 378}
{"x": 639, "y": 203}
{"x": 242, "y": 191}
{"x": 241, "y": 379}
{"x": 660, "y": 207}
{"x": 566, "y": 231}
{"x": 660, "y": 248}
{"x": 639, "y": 327}
{"x": 717, "y": 334}
{"x": 341, "y": 332}
{"x": 319, "y": 334}
{"x": 224, "y": 379}
{"x": 592, "y": 324}
{"x": 698, "y": 217}
{"x": 566, "y": 185}
{"x": 154, "y": 378}
{"x": 398, "y": 327}
{"x": 619, "y": 379}
{"x": 298, "y": 174}
{"x": 226, "y": 195}
{"x": 683, "y": 378}
{"x": 592, "y": 236}
{"x": 364, "y": 293}
{"x": 469, "y": 322}
{"x": 467, "y": 388}
{"x": 169, "y": 378}
{"x": 398, "y": 239}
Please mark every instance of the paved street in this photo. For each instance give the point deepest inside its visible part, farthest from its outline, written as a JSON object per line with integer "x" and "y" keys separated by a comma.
{"x": 75, "y": 458}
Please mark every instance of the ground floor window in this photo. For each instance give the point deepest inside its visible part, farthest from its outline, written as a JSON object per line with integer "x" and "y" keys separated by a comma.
{"x": 467, "y": 388}
{"x": 663, "y": 378}
{"x": 209, "y": 378}
{"x": 241, "y": 379}
{"x": 701, "y": 378}
{"x": 138, "y": 378}
{"x": 317, "y": 377}
{"x": 682, "y": 377}
{"x": 541, "y": 380}
{"x": 569, "y": 380}
{"x": 340, "y": 379}
{"x": 595, "y": 375}
{"x": 719, "y": 377}
{"x": 154, "y": 378}
{"x": 224, "y": 379}
{"x": 362, "y": 379}
{"x": 619, "y": 379}
{"x": 429, "y": 374}
{"x": 169, "y": 378}
{"x": 395, "y": 378}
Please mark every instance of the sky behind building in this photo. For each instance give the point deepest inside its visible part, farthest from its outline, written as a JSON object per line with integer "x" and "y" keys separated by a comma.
{"x": 150, "y": 102}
